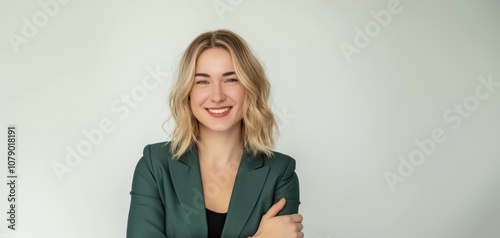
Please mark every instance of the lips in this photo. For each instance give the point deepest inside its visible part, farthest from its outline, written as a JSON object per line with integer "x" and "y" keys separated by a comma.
{"x": 219, "y": 111}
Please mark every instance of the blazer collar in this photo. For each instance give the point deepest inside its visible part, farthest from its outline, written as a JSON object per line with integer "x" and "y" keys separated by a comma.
{"x": 186, "y": 178}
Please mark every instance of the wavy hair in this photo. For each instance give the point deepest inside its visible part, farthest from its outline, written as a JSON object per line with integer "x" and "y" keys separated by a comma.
{"x": 258, "y": 124}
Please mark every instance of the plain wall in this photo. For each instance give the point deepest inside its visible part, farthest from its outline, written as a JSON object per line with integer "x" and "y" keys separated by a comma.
{"x": 385, "y": 105}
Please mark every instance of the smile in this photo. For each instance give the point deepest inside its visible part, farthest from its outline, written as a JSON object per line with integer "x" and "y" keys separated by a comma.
{"x": 218, "y": 111}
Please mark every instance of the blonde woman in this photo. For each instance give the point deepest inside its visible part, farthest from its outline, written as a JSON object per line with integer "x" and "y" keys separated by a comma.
{"x": 218, "y": 176}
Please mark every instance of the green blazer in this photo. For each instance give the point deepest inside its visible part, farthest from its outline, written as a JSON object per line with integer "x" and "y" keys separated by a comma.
{"x": 167, "y": 195}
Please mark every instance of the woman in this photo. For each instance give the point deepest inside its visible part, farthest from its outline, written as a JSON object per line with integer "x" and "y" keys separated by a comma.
{"x": 218, "y": 176}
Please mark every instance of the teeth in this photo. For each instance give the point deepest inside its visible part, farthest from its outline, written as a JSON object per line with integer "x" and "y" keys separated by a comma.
{"x": 219, "y": 110}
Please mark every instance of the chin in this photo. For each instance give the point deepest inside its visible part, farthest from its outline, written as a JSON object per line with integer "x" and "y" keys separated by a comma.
{"x": 221, "y": 127}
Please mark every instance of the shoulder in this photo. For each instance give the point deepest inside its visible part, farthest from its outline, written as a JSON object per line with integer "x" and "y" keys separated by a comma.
{"x": 155, "y": 155}
{"x": 280, "y": 163}
{"x": 278, "y": 158}
{"x": 158, "y": 150}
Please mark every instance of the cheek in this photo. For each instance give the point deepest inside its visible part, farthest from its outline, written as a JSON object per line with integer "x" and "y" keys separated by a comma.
{"x": 191, "y": 104}
{"x": 193, "y": 101}
{"x": 195, "y": 97}
{"x": 238, "y": 95}
{"x": 242, "y": 97}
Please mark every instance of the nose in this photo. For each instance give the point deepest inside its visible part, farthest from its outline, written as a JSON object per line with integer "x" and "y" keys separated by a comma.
{"x": 217, "y": 94}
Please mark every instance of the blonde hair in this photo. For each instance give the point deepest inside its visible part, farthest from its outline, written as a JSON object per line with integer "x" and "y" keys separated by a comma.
{"x": 258, "y": 124}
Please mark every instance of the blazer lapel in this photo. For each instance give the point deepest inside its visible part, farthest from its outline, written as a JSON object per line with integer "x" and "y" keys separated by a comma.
{"x": 249, "y": 182}
{"x": 186, "y": 178}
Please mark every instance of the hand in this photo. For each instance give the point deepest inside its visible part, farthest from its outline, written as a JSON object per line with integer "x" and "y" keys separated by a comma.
{"x": 285, "y": 226}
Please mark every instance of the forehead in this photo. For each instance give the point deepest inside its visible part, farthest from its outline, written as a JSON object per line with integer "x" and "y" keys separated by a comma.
{"x": 214, "y": 60}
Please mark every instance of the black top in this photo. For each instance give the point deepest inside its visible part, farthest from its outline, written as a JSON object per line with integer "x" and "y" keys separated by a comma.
{"x": 215, "y": 222}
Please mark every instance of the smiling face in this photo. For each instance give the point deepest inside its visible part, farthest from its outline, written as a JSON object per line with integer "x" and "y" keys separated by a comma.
{"x": 217, "y": 96}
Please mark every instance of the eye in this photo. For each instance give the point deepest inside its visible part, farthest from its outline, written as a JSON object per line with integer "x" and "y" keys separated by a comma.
{"x": 232, "y": 80}
{"x": 202, "y": 82}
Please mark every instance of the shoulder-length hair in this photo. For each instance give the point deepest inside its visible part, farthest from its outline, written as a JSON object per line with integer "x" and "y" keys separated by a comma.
{"x": 258, "y": 123}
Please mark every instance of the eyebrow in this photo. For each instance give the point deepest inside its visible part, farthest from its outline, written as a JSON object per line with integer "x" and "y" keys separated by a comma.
{"x": 208, "y": 76}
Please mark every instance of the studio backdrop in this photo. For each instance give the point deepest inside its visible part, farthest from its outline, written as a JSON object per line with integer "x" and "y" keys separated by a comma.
{"x": 391, "y": 109}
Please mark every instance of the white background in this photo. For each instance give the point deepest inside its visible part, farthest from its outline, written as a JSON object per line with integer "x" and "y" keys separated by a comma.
{"x": 346, "y": 119}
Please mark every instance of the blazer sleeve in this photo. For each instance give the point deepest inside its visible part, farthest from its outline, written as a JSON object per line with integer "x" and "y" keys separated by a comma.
{"x": 146, "y": 216}
{"x": 288, "y": 187}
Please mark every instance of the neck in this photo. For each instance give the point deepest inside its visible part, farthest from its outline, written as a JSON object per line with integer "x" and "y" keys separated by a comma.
{"x": 220, "y": 148}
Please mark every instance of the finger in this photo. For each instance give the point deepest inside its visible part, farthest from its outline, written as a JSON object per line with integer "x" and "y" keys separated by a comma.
{"x": 296, "y": 217}
{"x": 300, "y": 234}
{"x": 300, "y": 226}
{"x": 275, "y": 208}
